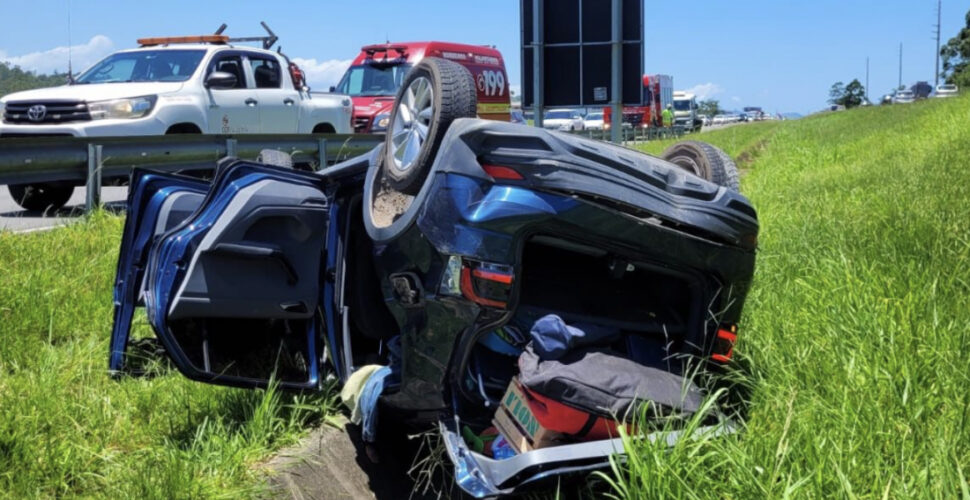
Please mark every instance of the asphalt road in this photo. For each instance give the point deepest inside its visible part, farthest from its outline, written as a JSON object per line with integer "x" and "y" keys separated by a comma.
{"x": 14, "y": 218}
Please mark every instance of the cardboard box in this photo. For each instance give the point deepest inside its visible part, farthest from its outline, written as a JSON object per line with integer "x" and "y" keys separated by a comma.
{"x": 514, "y": 419}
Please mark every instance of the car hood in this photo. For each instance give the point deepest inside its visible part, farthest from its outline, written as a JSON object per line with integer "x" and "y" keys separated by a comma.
{"x": 371, "y": 106}
{"x": 95, "y": 92}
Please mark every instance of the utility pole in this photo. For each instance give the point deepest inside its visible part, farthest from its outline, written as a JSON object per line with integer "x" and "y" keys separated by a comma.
{"x": 867, "y": 79}
{"x": 616, "y": 127}
{"x": 939, "y": 9}
{"x": 538, "y": 54}
{"x": 900, "y": 84}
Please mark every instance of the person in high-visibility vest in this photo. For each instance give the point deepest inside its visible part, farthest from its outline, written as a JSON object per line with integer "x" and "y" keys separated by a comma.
{"x": 668, "y": 116}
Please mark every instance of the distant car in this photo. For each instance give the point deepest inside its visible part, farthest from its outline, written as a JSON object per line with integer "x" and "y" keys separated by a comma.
{"x": 562, "y": 119}
{"x": 720, "y": 120}
{"x": 904, "y": 97}
{"x": 946, "y": 90}
{"x": 886, "y": 99}
{"x": 921, "y": 90}
{"x": 593, "y": 121}
{"x": 516, "y": 116}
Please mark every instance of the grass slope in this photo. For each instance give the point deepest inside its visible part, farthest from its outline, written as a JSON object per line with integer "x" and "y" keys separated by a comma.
{"x": 856, "y": 329}
{"x": 67, "y": 429}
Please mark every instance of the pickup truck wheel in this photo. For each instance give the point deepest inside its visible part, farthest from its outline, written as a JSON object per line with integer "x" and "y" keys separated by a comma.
{"x": 433, "y": 94}
{"x": 42, "y": 196}
{"x": 705, "y": 161}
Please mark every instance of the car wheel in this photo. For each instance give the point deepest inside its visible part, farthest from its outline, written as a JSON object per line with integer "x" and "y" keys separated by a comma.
{"x": 705, "y": 161}
{"x": 433, "y": 94}
{"x": 41, "y": 196}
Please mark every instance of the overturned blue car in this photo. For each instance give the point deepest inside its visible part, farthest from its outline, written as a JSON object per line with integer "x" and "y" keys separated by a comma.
{"x": 448, "y": 242}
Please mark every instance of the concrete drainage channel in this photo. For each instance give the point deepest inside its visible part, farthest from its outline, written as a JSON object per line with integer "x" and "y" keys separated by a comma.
{"x": 332, "y": 464}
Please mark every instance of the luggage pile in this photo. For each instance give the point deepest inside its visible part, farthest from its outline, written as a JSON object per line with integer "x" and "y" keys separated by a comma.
{"x": 571, "y": 389}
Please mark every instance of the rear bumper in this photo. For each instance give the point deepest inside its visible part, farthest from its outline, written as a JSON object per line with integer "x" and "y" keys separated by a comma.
{"x": 634, "y": 183}
{"x": 481, "y": 476}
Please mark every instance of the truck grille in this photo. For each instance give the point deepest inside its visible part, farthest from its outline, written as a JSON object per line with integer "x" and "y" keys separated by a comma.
{"x": 633, "y": 118}
{"x": 45, "y": 112}
{"x": 361, "y": 123}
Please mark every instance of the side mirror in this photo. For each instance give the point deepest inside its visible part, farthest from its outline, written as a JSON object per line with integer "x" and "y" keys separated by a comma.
{"x": 333, "y": 88}
{"x": 220, "y": 80}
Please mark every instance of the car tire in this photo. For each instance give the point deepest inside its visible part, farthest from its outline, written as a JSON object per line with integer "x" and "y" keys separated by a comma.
{"x": 275, "y": 158}
{"x": 705, "y": 161}
{"x": 410, "y": 145}
{"x": 41, "y": 196}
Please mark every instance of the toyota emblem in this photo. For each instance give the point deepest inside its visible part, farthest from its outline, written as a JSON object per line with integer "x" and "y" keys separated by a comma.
{"x": 37, "y": 112}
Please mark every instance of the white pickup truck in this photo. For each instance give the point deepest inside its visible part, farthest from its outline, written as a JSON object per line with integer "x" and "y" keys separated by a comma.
{"x": 206, "y": 86}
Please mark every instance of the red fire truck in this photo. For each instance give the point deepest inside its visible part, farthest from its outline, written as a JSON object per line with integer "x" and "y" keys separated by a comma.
{"x": 373, "y": 78}
{"x": 658, "y": 92}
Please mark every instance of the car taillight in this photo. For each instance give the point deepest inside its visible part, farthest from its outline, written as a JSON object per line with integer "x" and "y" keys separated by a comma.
{"x": 499, "y": 172}
{"x": 483, "y": 283}
{"x": 724, "y": 343}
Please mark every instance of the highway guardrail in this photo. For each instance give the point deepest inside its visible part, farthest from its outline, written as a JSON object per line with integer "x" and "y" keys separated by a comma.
{"x": 88, "y": 160}
{"x": 635, "y": 134}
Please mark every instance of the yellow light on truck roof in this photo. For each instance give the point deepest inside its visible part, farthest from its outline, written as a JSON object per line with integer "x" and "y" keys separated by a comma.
{"x": 163, "y": 40}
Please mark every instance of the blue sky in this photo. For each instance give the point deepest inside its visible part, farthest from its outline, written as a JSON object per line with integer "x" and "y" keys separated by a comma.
{"x": 781, "y": 55}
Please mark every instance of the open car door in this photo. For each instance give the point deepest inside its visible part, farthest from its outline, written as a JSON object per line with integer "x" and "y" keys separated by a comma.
{"x": 156, "y": 203}
{"x": 233, "y": 291}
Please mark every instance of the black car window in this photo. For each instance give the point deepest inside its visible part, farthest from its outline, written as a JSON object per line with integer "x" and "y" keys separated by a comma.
{"x": 233, "y": 65}
{"x": 266, "y": 72}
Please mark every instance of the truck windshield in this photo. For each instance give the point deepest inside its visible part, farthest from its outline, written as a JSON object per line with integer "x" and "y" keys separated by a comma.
{"x": 144, "y": 66}
{"x": 372, "y": 80}
{"x": 682, "y": 105}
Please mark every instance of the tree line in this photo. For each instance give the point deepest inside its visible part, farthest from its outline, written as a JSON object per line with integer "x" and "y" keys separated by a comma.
{"x": 14, "y": 79}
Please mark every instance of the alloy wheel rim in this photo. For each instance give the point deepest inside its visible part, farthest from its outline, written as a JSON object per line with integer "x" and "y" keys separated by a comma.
{"x": 411, "y": 123}
{"x": 688, "y": 163}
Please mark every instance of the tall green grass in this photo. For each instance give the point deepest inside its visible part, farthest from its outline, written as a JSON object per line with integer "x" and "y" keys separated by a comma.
{"x": 67, "y": 429}
{"x": 855, "y": 333}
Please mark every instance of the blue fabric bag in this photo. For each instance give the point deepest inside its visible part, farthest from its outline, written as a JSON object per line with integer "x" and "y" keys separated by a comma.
{"x": 552, "y": 337}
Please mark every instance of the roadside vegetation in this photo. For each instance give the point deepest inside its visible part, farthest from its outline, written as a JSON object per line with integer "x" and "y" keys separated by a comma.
{"x": 67, "y": 429}
{"x": 856, "y": 332}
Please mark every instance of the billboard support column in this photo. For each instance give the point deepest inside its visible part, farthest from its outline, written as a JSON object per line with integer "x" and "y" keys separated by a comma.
{"x": 538, "y": 54}
{"x": 616, "y": 80}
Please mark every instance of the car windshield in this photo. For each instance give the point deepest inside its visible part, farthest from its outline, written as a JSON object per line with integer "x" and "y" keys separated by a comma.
{"x": 947, "y": 87}
{"x": 594, "y": 116}
{"x": 682, "y": 105}
{"x": 144, "y": 66}
{"x": 372, "y": 80}
{"x": 559, "y": 115}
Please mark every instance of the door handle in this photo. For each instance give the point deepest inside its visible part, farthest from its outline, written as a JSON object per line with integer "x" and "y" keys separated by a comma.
{"x": 251, "y": 102}
{"x": 288, "y": 101}
{"x": 258, "y": 251}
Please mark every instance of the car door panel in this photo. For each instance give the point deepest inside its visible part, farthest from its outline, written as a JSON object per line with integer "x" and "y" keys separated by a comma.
{"x": 156, "y": 202}
{"x": 234, "y": 291}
